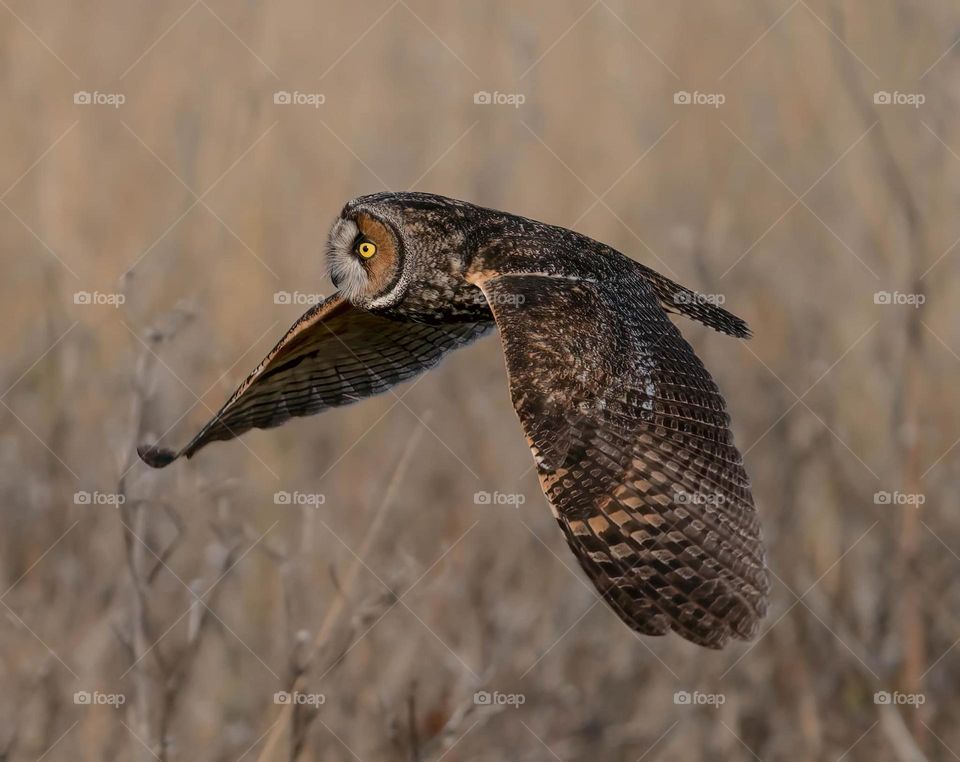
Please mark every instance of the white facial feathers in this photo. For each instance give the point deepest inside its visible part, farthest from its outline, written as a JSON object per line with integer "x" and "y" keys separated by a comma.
{"x": 348, "y": 274}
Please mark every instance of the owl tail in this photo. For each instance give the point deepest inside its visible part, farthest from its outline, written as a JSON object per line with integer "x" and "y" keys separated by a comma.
{"x": 677, "y": 298}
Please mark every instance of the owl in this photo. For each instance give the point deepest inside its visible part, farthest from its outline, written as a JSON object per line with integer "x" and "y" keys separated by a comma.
{"x": 628, "y": 431}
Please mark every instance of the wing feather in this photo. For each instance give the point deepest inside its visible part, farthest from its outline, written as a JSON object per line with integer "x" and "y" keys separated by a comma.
{"x": 333, "y": 355}
{"x": 634, "y": 451}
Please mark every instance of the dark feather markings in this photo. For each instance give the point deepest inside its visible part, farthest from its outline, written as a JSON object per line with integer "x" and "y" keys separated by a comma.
{"x": 634, "y": 450}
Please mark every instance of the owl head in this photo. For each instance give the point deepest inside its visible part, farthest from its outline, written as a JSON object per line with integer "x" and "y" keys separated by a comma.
{"x": 391, "y": 247}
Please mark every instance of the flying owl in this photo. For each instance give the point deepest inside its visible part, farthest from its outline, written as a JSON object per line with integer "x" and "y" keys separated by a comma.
{"x": 628, "y": 431}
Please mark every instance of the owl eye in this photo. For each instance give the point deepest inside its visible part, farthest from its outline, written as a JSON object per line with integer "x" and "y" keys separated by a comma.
{"x": 366, "y": 249}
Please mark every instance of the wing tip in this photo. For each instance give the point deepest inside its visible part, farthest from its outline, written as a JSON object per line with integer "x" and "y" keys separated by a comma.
{"x": 741, "y": 329}
{"x": 156, "y": 457}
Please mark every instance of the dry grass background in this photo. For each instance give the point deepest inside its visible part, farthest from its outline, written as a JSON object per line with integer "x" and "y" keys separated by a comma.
{"x": 199, "y": 198}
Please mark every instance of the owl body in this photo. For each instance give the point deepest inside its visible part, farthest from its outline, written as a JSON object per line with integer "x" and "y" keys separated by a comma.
{"x": 447, "y": 243}
{"x": 629, "y": 433}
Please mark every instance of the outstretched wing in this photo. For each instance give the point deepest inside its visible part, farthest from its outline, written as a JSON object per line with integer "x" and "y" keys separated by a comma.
{"x": 333, "y": 355}
{"x": 634, "y": 452}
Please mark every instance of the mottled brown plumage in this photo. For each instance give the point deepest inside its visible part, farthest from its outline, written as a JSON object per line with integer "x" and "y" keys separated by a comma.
{"x": 629, "y": 432}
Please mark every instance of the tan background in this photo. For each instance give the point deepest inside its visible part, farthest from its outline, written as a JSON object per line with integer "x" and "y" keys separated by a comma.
{"x": 199, "y": 198}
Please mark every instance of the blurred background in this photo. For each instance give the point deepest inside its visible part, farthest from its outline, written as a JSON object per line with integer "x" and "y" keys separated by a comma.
{"x": 168, "y": 174}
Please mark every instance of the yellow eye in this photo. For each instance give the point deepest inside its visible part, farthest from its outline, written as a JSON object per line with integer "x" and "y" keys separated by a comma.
{"x": 367, "y": 249}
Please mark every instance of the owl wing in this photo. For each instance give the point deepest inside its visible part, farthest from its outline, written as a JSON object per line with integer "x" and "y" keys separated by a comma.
{"x": 633, "y": 448}
{"x": 333, "y": 355}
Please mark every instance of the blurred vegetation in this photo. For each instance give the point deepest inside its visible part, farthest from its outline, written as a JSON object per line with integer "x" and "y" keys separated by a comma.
{"x": 199, "y": 198}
